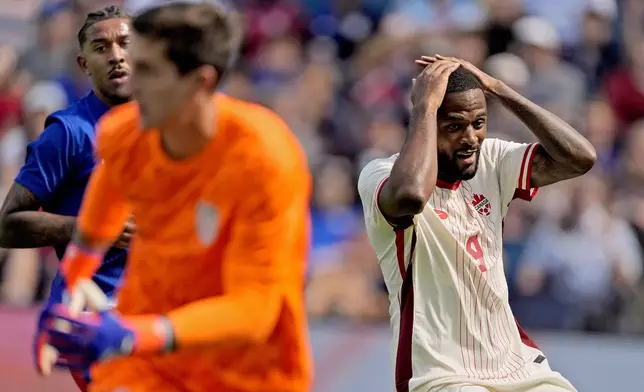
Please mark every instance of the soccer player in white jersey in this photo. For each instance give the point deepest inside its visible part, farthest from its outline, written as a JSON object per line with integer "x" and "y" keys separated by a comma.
{"x": 434, "y": 214}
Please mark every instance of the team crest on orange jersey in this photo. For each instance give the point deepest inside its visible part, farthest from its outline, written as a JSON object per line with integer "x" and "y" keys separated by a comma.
{"x": 207, "y": 223}
{"x": 481, "y": 204}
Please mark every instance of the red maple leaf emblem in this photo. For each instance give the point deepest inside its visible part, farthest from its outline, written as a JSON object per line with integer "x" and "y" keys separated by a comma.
{"x": 481, "y": 204}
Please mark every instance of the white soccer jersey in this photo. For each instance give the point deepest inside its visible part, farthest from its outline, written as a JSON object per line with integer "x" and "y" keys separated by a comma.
{"x": 449, "y": 307}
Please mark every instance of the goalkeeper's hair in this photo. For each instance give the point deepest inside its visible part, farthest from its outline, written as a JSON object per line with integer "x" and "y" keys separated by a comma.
{"x": 194, "y": 34}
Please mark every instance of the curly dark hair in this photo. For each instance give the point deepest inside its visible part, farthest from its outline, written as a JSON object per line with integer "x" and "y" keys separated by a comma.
{"x": 110, "y": 12}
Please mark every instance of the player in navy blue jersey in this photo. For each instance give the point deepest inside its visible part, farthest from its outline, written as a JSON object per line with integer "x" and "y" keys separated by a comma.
{"x": 41, "y": 206}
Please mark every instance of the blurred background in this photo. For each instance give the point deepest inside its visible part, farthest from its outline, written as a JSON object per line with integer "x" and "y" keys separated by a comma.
{"x": 339, "y": 72}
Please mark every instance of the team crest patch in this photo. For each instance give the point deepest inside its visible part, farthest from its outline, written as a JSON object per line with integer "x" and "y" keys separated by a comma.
{"x": 207, "y": 222}
{"x": 481, "y": 204}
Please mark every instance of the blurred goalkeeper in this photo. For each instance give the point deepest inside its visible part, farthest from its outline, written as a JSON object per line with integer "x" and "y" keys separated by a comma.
{"x": 212, "y": 297}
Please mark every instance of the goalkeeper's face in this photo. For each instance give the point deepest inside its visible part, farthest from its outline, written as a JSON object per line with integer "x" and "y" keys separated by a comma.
{"x": 166, "y": 97}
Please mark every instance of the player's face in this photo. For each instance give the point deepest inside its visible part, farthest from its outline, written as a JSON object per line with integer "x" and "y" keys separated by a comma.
{"x": 105, "y": 59}
{"x": 462, "y": 128}
{"x": 164, "y": 95}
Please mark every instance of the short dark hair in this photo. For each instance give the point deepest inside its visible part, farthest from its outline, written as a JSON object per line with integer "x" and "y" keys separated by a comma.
{"x": 195, "y": 34}
{"x": 110, "y": 12}
{"x": 462, "y": 80}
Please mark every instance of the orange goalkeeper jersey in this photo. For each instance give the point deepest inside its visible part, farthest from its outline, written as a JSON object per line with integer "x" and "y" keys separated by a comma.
{"x": 227, "y": 229}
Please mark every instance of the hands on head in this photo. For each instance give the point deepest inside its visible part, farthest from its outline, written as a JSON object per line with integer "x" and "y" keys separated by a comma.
{"x": 430, "y": 86}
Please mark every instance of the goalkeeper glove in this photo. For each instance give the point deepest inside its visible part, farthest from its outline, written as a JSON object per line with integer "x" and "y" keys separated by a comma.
{"x": 84, "y": 339}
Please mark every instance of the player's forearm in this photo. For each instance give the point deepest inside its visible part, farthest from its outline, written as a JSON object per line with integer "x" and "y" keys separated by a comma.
{"x": 226, "y": 320}
{"x": 413, "y": 176}
{"x": 216, "y": 321}
{"x": 36, "y": 229}
{"x": 563, "y": 144}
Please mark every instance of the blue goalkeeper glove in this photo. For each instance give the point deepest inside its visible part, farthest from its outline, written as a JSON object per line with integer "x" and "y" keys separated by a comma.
{"x": 92, "y": 337}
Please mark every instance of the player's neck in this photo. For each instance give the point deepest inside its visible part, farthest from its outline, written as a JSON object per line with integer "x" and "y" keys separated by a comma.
{"x": 109, "y": 101}
{"x": 447, "y": 179}
{"x": 190, "y": 133}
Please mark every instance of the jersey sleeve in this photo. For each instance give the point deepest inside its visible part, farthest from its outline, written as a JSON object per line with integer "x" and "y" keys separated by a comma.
{"x": 370, "y": 182}
{"x": 513, "y": 164}
{"x": 49, "y": 161}
{"x": 263, "y": 261}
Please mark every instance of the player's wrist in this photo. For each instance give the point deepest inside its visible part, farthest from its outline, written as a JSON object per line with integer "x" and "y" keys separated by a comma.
{"x": 166, "y": 333}
{"x": 499, "y": 89}
{"x": 79, "y": 263}
{"x": 152, "y": 334}
{"x": 424, "y": 109}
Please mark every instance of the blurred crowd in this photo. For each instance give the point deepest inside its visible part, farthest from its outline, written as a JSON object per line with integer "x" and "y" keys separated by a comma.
{"x": 339, "y": 72}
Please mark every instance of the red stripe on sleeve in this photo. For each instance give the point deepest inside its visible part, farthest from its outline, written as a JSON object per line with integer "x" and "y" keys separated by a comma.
{"x": 400, "y": 252}
{"x": 524, "y": 189}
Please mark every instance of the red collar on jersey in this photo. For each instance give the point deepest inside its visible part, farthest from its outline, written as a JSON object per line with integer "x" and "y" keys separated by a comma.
{"x": 448, "y": 185}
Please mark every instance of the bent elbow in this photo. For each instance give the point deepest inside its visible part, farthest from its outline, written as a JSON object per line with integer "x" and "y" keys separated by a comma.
{"x": 587, "y": 159}
{"x": 591, "y": 159}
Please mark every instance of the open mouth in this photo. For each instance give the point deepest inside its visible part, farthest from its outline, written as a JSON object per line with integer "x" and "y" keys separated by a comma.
{"x": 467, "y": 157}
{"x": 119, "y": 76}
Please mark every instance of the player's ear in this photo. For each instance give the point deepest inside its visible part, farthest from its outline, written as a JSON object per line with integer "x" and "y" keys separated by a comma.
{"x": 82, "y": 64}
{"x": 207, "y": 77}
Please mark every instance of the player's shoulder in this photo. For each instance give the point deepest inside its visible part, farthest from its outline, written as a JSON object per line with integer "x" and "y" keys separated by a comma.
{"x": 260, "y": 134}
{"x": 252, "y": 119}
{"x": 116, "y": 129}
{"x": 80, "y": 115}
{"x": 492, "y": 146}
{"x": 494, "y": 150}
{"x": 377, "y": 167}
{"x": 380, "y": 163}
{"x": 68, "y": 123}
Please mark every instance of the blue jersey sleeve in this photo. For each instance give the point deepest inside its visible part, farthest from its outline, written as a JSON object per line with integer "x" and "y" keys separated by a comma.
{"x": 49, "y": 161}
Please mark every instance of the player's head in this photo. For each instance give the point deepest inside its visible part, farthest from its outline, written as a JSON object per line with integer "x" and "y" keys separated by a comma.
{"x": 180, "y": 54}
{"x": 462, "y": 120}
{"x": 104, "y": 40}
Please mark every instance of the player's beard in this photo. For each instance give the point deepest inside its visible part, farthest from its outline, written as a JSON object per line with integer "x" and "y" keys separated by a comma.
{"x": 449, "y": 170}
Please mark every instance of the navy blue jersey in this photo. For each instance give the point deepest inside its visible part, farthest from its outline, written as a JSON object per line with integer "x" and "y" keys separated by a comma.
{"x": 56, "y": 170}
